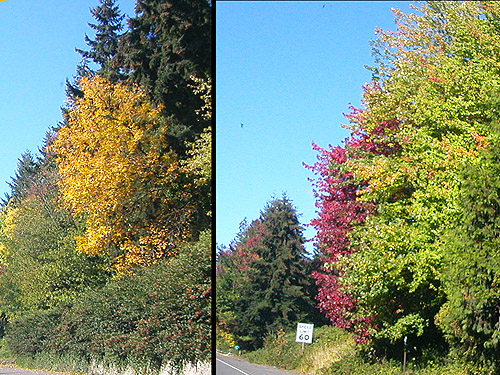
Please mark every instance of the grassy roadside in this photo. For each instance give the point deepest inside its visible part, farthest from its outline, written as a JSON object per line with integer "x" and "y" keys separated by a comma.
{"x": 43, "y": 362}
{"x": 70, "y": 364}
{"x": 67, "y": 364}
{"x": 334, "y": 352}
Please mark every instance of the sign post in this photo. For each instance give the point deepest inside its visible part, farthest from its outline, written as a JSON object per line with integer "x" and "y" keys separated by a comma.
{"x": 304, "y": 333}
{"x": 404, "y": 355}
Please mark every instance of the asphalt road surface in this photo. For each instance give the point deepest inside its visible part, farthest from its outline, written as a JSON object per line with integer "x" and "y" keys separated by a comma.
{"x": 228, "y": 365}
{"x": 6, "y": 370}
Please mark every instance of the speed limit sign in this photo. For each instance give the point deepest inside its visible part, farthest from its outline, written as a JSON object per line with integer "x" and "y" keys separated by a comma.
{"x": 304, "y": 333}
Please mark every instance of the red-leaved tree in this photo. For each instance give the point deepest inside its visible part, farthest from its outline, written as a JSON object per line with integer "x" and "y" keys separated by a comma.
{"x": 339, "y": 211}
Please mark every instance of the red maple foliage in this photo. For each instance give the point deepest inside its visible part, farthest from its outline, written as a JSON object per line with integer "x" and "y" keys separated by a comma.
{"x": 338, "y": 212}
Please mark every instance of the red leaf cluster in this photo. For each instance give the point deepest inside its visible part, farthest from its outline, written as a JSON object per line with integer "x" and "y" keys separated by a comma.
{"x": 338, "y": 212}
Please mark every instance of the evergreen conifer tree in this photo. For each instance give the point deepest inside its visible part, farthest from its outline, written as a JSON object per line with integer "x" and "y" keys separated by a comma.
{"x": 105, "y": 46}
{"x": 24, "y": 179}
{"x": 168, "y": 42}
{"x": 270, "y": 284}
{"x": 102, "y": 50}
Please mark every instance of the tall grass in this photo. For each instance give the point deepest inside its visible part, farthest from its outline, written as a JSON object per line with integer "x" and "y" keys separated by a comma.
{"x": 333, "y": 352}
{"x": 73, "y": 364}
{"x": 330, "y": 345}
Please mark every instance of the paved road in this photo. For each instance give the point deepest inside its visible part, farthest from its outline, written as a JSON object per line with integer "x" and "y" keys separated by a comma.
{"x": 228, "y": 365}
{"x": 5, "y": 370}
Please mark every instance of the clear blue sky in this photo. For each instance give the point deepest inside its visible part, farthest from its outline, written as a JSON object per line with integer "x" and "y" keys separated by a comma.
{"x": 37, "y": 44}
{"x": 287, "y": 71}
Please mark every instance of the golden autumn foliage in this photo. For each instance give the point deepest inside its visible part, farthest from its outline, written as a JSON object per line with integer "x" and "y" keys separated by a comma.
{"x": 199, "y": 161}
{"x": 117, "y": 171}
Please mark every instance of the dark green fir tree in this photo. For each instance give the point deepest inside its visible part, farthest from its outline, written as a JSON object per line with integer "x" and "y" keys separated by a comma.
{"x": 168, "y": 42}
{"x": 105, "y": 46}
{"x": 471, "y": 316}
{"x": 100, "y": 57}
{"x": 25, "y": 178}
{"x": 268, "y": 278}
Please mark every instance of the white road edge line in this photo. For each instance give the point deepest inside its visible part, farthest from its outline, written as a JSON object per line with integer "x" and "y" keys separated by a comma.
{"x": 236, "y": 368}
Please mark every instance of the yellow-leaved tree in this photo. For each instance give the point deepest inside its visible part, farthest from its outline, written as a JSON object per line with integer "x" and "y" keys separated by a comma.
{"x": 118, "y": 172}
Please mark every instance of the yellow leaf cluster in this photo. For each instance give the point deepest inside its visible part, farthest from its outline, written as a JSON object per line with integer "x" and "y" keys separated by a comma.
{"x": 379, "y": 174}
{"x": 115, "y": 166}
{"x": 199, "y": 162}
{"x": 7, "y": 217}
{"x": 203, "y": 87}
{"x": 148, "y": 249}
{"x": 8, "y": 221}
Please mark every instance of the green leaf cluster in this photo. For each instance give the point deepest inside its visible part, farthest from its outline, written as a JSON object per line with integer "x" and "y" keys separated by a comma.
{"x": 471, "y": 316}
{"x": 41, "y": 268}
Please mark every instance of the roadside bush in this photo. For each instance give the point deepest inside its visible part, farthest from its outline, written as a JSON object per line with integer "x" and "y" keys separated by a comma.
{"x": 279, "y": 349}
{"x": 156, "y": 317}
{"x": 224, "y": 340}
{"x": 334, "y": 352}
{"x": 159, "y": 315}
{"x": 330, "y": 344}
{"x": 353, "y": 364}
{"x": 33, "y": 333}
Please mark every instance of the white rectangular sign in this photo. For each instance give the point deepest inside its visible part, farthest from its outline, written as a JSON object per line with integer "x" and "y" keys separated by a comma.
{"x": 304, "y": 333}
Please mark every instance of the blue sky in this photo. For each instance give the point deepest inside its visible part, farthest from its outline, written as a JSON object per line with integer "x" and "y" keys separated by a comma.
{"x": 37, "y": 44}
{"x": 287, "y": 71}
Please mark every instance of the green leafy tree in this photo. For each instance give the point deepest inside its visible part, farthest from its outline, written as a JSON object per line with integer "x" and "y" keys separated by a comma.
{"x": 263, "y": 277}
{"x": 41, "y": 268}
{"x": 425, "y": 113}
{"x": 197, "y": 164}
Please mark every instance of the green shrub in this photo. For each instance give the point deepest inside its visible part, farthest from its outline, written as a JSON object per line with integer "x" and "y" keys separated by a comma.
{"x": 279, "y": 350}
{"x": 32, "y": 334}
{"x": 354, "y": 364}
{"x": 53, "y": 362}
{"x": 156, "y": 317}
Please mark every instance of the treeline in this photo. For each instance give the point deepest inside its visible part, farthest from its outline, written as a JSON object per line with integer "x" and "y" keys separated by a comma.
{"x": 106, "y": 235}
{"x": 408, "y": 207}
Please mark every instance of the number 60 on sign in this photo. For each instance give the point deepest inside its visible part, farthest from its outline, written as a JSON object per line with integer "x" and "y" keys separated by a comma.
{"x": 304, "y": 333}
